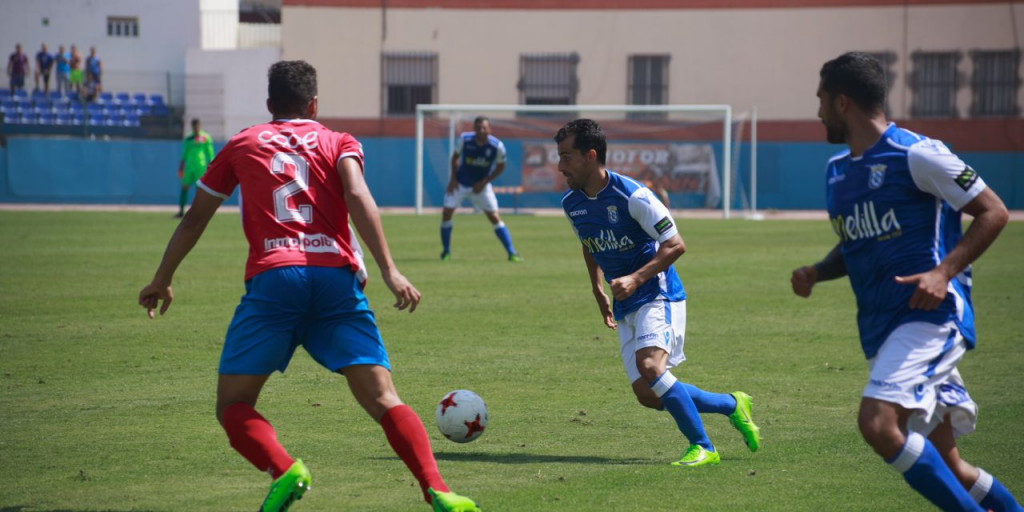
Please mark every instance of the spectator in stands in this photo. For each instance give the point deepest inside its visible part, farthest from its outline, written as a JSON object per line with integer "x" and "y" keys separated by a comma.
{"x": 93, "y": 72}
{"x": 44, "y": 65}
{"x": 75, "y": 74}
{"x": 196, "y": 154}
{"x": 63, "y": 70}
{"x": 17, "y": 68}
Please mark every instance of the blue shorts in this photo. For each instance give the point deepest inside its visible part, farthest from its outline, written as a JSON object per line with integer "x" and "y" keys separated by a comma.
{"x": 321, "y": 308}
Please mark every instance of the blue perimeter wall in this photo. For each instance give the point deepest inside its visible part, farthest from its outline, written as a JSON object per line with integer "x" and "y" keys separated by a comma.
{"x": 144, "y": 172}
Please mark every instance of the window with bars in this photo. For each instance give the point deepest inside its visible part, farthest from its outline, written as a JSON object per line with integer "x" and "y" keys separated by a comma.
{"x": 934, "y": 82}
{"x": 647, "y": 83}
{"x": 122, "y": 26}
{"x": 407, "y": 80}
{"x": 995, "y": 82}
{"x": 548, "y": 78}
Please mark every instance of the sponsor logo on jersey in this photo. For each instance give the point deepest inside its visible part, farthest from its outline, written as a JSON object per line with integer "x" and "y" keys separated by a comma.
{"x": 663, "y": 225}
{"x": 577, "y": 213}
{"x": 877, "y": 175}
{"x": 866, "y": 223}
{"x": 966, "y": 178}
{"x": 648, "y": 336}
{"x": 317, "y": 242}
{"x": 613, "y": 214}
{"x": 288, "y": 139}
{"x": 478, "y": 161}
{"x": 892, "y": 386}
{"x": 607, "y": 241}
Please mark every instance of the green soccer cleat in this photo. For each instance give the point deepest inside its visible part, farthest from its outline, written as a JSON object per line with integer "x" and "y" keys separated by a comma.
{"x": 451, "y": 502}
{"x": 515, "y": 258}
{"x": 696, "y": 455}
{"x": 742, "y": 421}
{"x": 288, "y": 488}
{"x": 446, "y": 256}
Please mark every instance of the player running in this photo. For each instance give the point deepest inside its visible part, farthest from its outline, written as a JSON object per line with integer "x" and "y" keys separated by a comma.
{"x": 630, "y": 240}
{"x": 303, "y": 283}
{"x": 478, "y": 160}
{"x": 894, "y": 198}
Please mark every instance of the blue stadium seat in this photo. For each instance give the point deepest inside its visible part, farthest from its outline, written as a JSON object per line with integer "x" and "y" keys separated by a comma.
{"x": 20, "y": 93}
{"x": 9, "y": 107}
{"x": 160, "y": 110}
{"x": 71, "y": 96}
{"x": 77, "y": 119}
{"x": 56, "y": 96}
{"x": 5, "y": 94}
{"x": 38, "y": 95}
{"x": 156, "y": 99}
{"x": 144, "y": 110}
{"x": 139, "y": 98}
{"x": 24, "y": 104}
{"x": 106, "y": 98}
{"x": 62, "y": 118}
{"x": 27, "y": 118}
{"x": 75, "y": 107}
{"x": 59, "y": 106}
{"x": 42, "y": 106}
{"x": 47, "y": 118}
{"x": 113, "y": 120}
{"x": 95, "y": 120}
{"x": 131, "y": 120}
{"x": 124, "y": 98}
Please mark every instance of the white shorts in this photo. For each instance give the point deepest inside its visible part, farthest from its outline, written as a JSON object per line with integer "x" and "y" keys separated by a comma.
{"x": 485, "y": 200}
{"x": 916, "y": 368}
{"x": 659, "y": 324}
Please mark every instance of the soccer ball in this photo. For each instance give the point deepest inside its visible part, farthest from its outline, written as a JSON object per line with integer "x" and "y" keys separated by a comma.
{"x": 461, "y": 415}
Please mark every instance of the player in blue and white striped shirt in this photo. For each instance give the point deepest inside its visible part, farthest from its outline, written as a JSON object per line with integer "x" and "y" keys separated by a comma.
{"x": 894, "y": 199}
{"x": 630, "y": 240}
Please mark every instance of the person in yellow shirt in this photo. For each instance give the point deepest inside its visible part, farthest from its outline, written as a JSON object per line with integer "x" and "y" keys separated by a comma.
{"x": 196, "y": 154}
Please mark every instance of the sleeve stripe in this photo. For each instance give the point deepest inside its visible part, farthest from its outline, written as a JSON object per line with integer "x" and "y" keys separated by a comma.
{"x": 203, "y": 186}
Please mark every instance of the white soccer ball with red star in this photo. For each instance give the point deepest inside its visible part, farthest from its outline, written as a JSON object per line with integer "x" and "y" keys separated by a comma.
{"x": 461, "y": 415}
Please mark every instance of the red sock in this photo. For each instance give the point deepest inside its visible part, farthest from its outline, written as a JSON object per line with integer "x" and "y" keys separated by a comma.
{"x": 408, "y": 438}
{"x": 251, "y": 435}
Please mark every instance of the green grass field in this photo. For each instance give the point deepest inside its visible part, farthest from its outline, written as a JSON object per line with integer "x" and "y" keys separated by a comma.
{"x": 102, "y": 409}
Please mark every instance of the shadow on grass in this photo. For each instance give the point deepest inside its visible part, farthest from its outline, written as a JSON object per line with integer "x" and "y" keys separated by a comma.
{"x": 21, "y": 508}
{"x": 528, "y": 458}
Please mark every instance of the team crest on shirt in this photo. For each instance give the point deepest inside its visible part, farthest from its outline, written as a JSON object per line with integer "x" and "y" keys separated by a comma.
{"x": 613, "y": 214}
{"x": 877, "y": 175}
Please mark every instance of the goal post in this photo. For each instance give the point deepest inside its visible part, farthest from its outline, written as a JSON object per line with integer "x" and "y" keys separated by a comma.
{"x": 687, "y": 148}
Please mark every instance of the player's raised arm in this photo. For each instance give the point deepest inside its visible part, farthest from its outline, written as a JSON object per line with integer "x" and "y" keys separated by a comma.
{"x": 182, "y": 241}
{"x": 366, "y": 218}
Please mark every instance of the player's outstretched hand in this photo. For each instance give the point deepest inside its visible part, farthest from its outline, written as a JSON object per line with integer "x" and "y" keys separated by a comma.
{"x": 930, "y": 289}
{"x": 154, "y": 294}
{"x": 406, "y": 295}
{"x": 803, "y": 280}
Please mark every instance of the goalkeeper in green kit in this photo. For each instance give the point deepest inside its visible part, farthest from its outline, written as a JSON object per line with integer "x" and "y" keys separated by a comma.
{"x": 196, "y": 154}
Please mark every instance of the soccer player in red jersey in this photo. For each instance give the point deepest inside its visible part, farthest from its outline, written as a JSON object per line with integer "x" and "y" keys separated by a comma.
{"x": 303, "y": 283}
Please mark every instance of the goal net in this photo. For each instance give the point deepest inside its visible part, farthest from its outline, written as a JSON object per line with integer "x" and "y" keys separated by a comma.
{"x": 685, "y": 152}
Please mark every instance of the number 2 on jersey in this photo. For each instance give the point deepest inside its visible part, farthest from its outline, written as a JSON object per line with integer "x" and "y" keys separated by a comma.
{"x": 280, "y": 164}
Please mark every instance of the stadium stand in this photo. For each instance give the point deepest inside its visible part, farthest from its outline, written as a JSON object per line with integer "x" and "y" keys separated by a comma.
{"x": 119, "y": 113}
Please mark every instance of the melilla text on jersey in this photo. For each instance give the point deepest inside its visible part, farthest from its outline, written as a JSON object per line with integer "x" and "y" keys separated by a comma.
{"x": 607, "y": 241}
{"x": 865, "y": 223}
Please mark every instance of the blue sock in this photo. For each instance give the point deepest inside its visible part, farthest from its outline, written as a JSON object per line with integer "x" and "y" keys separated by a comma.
{"x": 679, "y": 404}
{"x": 992, "y": 495}
{"x": 506, "y": 240}
{"x": 923, "y": 468}
{"x": 721, "y": 403}
{"x": 446, "y": 235}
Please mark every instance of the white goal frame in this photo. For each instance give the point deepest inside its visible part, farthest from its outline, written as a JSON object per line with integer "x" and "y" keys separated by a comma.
{"x": 724, "y": 110}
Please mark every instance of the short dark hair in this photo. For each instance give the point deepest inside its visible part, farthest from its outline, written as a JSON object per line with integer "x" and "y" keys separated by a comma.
{"x": 588, "y": 136}
{"x": 480, "y": 119}
{"x": 858, "y": 76}
{"x": 291, "y": 86}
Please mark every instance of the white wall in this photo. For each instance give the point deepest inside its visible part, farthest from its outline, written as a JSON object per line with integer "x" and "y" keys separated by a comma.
{"x": 744, "y": 57}
{"x": 243, "y": 76}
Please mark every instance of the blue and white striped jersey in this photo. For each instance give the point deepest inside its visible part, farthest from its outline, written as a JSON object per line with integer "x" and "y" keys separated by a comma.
{"x": 622, "y": 228}
{"x": 477, "y": 160}
{"x": 896, "y": 209}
